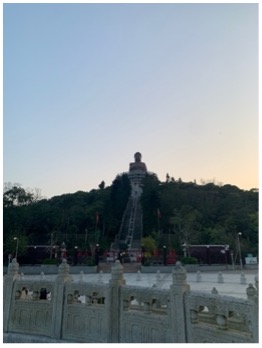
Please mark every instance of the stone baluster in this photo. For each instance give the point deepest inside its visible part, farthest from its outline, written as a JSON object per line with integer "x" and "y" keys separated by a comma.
{"x": 221, "y": 322}
{"x": 220, "y": 278}
{"x": 62, "y": 278}
{"x": 178, "y": 289}
{"x": 214, "y": 291}
{"x": 9, "y": 279}
{"x": 126, "y": 305}
{"x": 81, "y": 278}
{"x": 147, "y": 307}
{"x": 257, "y": 283}
{"x": 100, "y": 277}
{"x": 193, "y": 316}
{"x": 198, "y": 277}
{"x": 114, "y": 302}
{"x": 243, "y": 278}
{"x": 138, "y": 277}
{"x": 158, "y": 275}
{"x": 252, "y": 296}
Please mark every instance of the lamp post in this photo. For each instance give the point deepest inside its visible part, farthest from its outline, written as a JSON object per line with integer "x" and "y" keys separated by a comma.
{"x": 164, "y": 255}
{"x": 184, "y": 249}
{"x": 63, "y": 251}
{"x": 97, "y": 255}
{"x": 16, "y": 250}
{"x": 232, "y": 259}
{"x": 76, "y": 255}
{"x": 239, "y": 250}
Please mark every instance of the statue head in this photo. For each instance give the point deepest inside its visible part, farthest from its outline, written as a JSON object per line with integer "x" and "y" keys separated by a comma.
{"x": 137, "y": 157}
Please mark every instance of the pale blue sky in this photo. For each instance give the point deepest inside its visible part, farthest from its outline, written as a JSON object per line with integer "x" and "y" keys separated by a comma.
{"x": 88, "y": 85}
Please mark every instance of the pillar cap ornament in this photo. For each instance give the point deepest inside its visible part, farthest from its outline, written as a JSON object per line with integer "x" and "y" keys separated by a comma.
{"x": 251, "y": 291}
{"x": 179, "y": 274}
{"x": 117, "y": 271}
{"x": 13, "y": 268}
{"x": 63, "y": 270}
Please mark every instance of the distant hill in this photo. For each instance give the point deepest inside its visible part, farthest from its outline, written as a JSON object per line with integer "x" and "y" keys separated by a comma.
{"x": 174, "y": 212}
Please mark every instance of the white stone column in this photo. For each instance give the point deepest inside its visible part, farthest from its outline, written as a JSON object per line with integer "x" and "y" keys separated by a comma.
{"x": 178, "y": 316}
{"x": 10, "y": 277}
{"x": 59, "y": 298}
{"x": 252, "y": 296}
{"x": 114, "y": 303}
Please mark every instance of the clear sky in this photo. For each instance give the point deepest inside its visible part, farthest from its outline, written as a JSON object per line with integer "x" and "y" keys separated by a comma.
{"x": 88, "y": 85}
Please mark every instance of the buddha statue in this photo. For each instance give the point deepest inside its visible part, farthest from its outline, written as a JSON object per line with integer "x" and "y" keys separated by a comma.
{"x": 137, "y": 165}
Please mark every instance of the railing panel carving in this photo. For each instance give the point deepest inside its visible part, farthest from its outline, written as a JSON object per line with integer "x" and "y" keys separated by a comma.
{"x": 210, "y": 314}
{"x": 85, "y": 318}
{"x": 26, "y": 315}
{"x": 144, "y": 315}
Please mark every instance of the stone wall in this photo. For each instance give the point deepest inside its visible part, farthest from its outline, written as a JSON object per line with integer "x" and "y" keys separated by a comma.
{"x": 69, "y": 311}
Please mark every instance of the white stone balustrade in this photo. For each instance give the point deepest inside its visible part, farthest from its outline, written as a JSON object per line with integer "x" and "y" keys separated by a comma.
{"x": 75, "y": 311}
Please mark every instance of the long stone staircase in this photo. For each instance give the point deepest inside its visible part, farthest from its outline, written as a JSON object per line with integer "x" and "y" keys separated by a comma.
{"x": 131, "y": 228}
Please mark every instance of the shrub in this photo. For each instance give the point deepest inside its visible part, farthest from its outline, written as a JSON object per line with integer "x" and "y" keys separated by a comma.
{"x": 50, "y": 262}
{"x": 189, "y": 260}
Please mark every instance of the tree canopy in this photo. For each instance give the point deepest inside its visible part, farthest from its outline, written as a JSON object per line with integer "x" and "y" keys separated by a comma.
{"x": 174, "y": 212}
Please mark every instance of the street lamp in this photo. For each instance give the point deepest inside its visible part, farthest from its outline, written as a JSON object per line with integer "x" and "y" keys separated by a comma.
{"x": 16, "y": 250}
{"x": 97, "y": 255}
{"x": 239, "y": 250}
{"x": 232, "y": 259}
{"x": 63, "y": 251}
{"x": 76, "y": 255}
{"x": 164, "y": 255}
{"x": 184, "y": 249}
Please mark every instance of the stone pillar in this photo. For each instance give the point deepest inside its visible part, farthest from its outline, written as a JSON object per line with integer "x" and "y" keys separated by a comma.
{"x": 253, "y": 299}
{"x": 178, "y": 316}
{"x": 10, "y": 277}
{"x": 59, "y": 301}
{"x": 114, "y": 303}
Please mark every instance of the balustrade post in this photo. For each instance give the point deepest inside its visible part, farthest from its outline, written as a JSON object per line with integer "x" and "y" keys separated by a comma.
{"x": 59, "y": 301}
{"x": 178, "y": 316}
{"x": 252, "y": 296}
{"x": 9, "y": 279}
{"x": 114, "y": 303}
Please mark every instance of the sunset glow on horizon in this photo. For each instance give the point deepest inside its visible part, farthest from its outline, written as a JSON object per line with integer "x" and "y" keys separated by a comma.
{"x": 88, "y": 85}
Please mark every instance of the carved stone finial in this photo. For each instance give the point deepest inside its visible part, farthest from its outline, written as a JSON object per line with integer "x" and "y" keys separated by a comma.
{"x": 63, "y": 270}
{"x": 138, "y": 277}
{"x": 13, "y": 268}
{"x": 198, "y": 276}
{"x": 117, "y": 271}
{"x": 256, "y": 283}
{"x": 220, "y": 278}
{"x": 81, "y": 279}
{"x": 243, "y": 278}
{"x": 179, "y": 274}
{"x": 251, "y": 292}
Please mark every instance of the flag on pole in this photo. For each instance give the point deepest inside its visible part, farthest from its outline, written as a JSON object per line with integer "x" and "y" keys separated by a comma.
{"x": 97, "y": 218}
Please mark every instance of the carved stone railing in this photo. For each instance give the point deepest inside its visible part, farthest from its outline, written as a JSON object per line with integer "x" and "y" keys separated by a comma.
{"x": 85, "y": 312}
{"x": 118, "y": 313}
{"x": 145, "y": 314}
{"x": 221, "y": 319}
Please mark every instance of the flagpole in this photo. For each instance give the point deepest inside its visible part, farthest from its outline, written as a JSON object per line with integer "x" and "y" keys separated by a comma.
{"x": 158, "y": 223}
{"x": 97, "y": 219}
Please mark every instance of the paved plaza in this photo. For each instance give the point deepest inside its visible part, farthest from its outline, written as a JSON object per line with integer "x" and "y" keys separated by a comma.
{"x": 231, "y": 283}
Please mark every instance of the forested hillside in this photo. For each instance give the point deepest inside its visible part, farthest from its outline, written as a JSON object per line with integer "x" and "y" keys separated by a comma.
{"x": 174, "y": 213}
